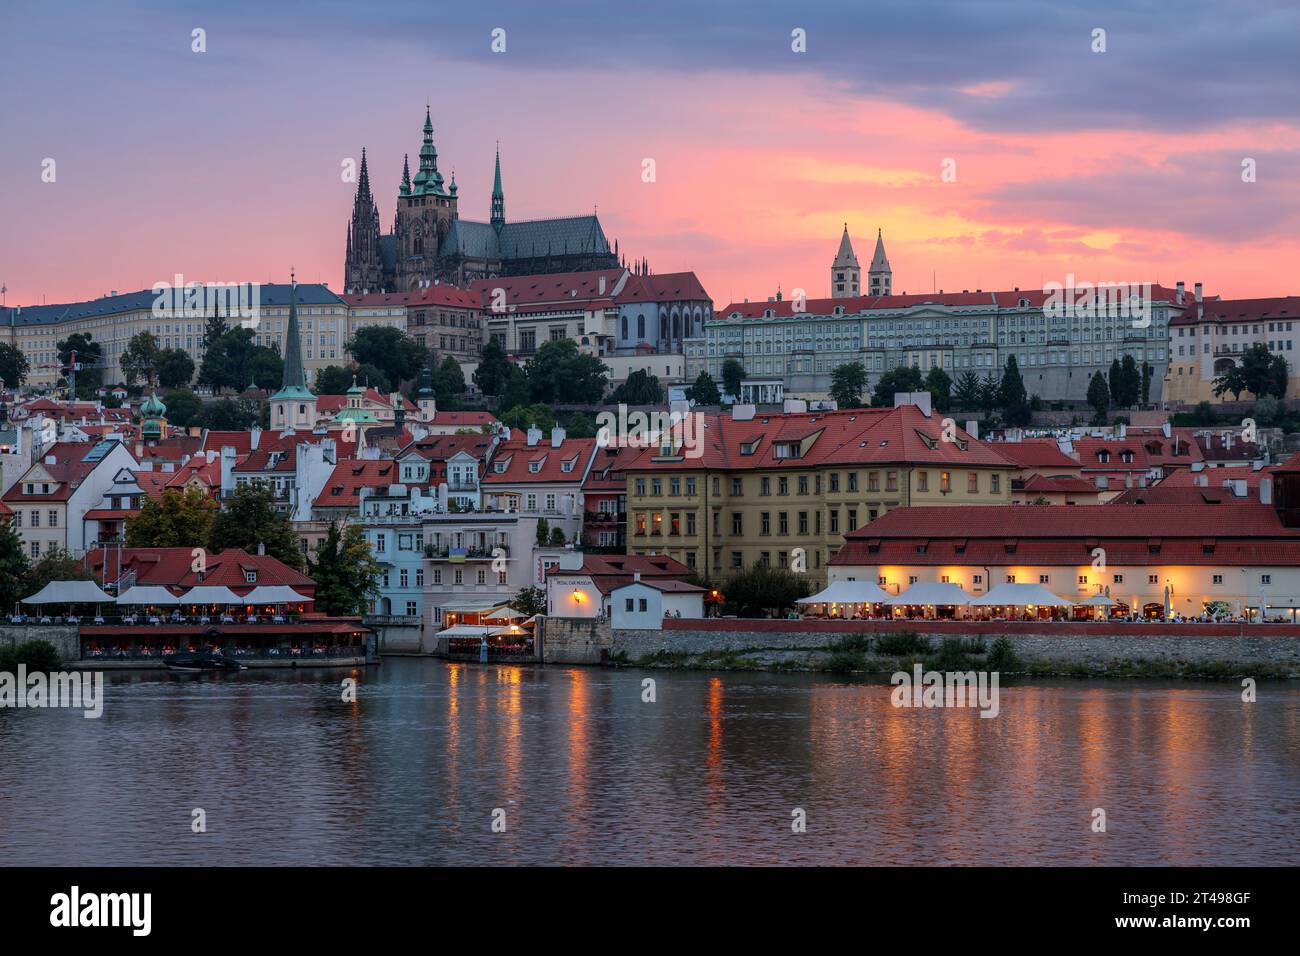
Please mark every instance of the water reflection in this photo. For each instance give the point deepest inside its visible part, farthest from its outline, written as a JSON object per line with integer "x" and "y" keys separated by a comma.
{"x": 288, "y": 771}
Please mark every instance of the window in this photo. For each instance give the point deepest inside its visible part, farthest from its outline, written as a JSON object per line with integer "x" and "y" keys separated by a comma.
{"x": 1117, "y": 579}
{"x": 736, "y": 486}
{"x": 690, "y": 487}
{"x": 737, "y": 523}
{"x": 36, "y": 519}
{"x": 803, "y": 484}
{"x": 1083, "y": 579}
{"x": 54, "y": 518}
{"x": 628, "y": 605}
{"x": 765, "y": 522}
{"x": 1044, "y": 579}
{"x": 765, "y": 486}
{"x": 891, "y": 481}
{"x": 835, "y": 520}
{"x": 642, "y": 605}
{"x": 922, "y": 481}
{"x": 1153, "y": 579}
{"x": 853, "y": 481}
{"x": 995, "y": 483}
{"x": 852, "y": 519}
{"x": 1266, "y": 579}
{"x": 1011, "y": 579}
{"x": 36, "y": 549}
{"x": 412, "y": 609}
{"x": 783, "y": 486}
{"x": 973, "y": 483}
{"x": 736, "y": 561}
{"x": 803, "y": 522}
{"x": 1218, "y": 579}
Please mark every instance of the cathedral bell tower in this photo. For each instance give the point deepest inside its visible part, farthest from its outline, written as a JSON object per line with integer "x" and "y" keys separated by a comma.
{"x": 425, "y": 212}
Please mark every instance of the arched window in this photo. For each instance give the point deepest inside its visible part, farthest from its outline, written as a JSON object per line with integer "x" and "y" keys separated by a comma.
{"x": 640, "y": 326}
{"x": 625, "y": 326}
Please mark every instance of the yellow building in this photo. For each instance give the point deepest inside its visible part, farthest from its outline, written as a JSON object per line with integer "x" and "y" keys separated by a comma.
{"x": 1208, "y": 340}
{"x": 783, "y": 490}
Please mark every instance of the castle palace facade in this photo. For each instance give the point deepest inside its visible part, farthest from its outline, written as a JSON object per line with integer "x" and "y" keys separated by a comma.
{"x": 431, "y": 243}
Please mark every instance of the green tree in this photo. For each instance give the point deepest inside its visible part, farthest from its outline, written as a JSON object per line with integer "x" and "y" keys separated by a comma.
{"x": 345, "y": 571}
{"x": 705, "y": 390}
{"x": 1147, "y": 372}
{"x": 580, "y": 425}
{"x": 513, "y": 391}
{"x": 543, "y": 532}
{"x": 175, "y": 368}
{"x": 372, "y": 376}
{"x": 1099, "y": 398}
{"x": 1011, "y": 395}
{"x": 557, "y": 537}
{"x": 530, "y": 601}
{"x": 140, "y": 360}
{"x": 184, "y": 408}
{"x": 1279, "y": 374}
{"x": 13, "y": 365}
{"x": 227, "y": 361}
{"x": 990, "y": 394}
{"x": 57, "y": 564}
{"x": 229, "y": 415}
{"x": 939, "y": 384}
{"x": 1116, "y": 382}
{"x": 905, "y": 378}
{"x": 448, "y": 382}
{"x": 388, "y": 349}
{"x": 848, "y": 383}
{"x": 733, "y": 373}
{"x": 558, "y": 372}
{"x": 248, "y": 519}
{"x": 493, "y": 367}
{"x": 1233, "y": 380}
{"x": 762, "y": 588}
{"x": 1130, "y": 382}
{"x": 214, "y": 328}
{"x": 333, "y": 380}
{"x": 641, "y": 388}
{"x": 14, "y": 567}
{"x": 966, "y": 395}
{"x": 522, "y": 416}
{"x": 176, "y": 520}
{"x": 265, "y": 368}
{"x": 89, "y": 353}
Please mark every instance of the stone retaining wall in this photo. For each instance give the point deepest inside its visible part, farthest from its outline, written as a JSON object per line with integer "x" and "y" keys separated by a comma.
{"x": 1064, "y": 643}
{"x": 63, "y": 636}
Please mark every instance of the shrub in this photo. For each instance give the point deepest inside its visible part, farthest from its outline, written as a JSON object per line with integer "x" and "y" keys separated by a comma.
{"x": 1003, "y": 657}
{"x": 853, "y": 642}
{"x": 844, "y": 662}
{"x": 955, "y": 654}
{"x": 902, "y": 644}
{"x": 37, "y": 655}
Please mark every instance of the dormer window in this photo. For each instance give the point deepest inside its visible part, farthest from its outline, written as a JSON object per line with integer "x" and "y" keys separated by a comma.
{"x": 1103, "y": 456}
{"x": 534, "y": 466}
{"x": 499, "y": 468}
{"x": 1127, "y": 456}
{"x": 250, "y": 576}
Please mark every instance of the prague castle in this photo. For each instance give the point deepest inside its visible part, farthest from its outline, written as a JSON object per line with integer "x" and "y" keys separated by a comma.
{"x": 431, "y": 243}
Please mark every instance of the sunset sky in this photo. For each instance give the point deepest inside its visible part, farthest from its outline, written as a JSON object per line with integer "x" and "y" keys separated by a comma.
{"x": 225, "y": 165}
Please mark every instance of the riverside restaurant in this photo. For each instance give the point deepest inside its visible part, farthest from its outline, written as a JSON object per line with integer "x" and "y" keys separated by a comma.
{"x": 270, "y": 626}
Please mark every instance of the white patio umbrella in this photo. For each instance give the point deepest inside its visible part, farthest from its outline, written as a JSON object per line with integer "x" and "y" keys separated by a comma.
{"x": 848, "y": 592}
{"x": 1020, "y": 595}
{"x": 273, "y": 594}
{"x": 501, "y": 614}
{"x": 69, "y": 592}
{"x": 210, "y": 594}
{"x": 931, "y": 592}
{"x": 143, "y": 594}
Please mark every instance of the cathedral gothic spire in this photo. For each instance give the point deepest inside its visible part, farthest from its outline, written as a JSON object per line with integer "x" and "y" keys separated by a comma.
{"x": 406, "y": 175}
{"x": 498, "y": 198}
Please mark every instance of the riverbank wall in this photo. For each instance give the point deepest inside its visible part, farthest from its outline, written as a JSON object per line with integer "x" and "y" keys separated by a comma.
{"x": 1064, "y": 647}
{"x": 64, "y": 637}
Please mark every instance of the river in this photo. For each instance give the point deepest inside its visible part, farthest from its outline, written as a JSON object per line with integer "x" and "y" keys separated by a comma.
{"x": 574, "y": 767}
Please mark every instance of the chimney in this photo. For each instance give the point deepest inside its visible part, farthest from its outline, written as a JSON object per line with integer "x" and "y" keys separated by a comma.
{"x": 256, "y": 433}
{"x": 534, "y": 435}
{"x": 636, "y": 575}
{"x": 1199, "y": 296}
{"x": 557, "y": 436}
{"x": 1266, "y": 490}
{"x": 1200, "y": 304}
{"x": 1181, "y": 294}
{"x": 973, "y": 429}
{"x": 601, "y": 285}
{"x": 1202, "y": 481}
{"x": 794, "y": 406}
{"x": 920, "y": 399}
{"x": 743, "y": 413}
{"x": 1102, "y": 483}
{"x": 1167, "y": 430}
{"x": 1123, "y": 430}
{"x": 261, "y": 550}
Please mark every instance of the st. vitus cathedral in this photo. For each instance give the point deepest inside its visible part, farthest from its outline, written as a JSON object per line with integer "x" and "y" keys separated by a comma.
{"x": 431, "y": 243}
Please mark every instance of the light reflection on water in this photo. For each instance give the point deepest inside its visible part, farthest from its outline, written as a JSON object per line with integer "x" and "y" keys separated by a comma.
{"x": 589, "y": 774}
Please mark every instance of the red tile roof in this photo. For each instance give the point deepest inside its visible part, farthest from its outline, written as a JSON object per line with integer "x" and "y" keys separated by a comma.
{"x": 1044, "y": 484}
{"x": 523, "y": 292}
{"x": 470, "y": 419}
{"x": 329, "y": 404}
{"x": 172, "y": 567}
{"x": 663, "y": 287}
{"x": 1090, "y": 451}
{"x": 1241, "y": 532}
{"x": 434, "y": 295}
{"x": 517, "y": 457}
{"x": 286, "y": 447}
{"x": 1036, "y": 298}
{"x": 68, "y": 470}
{"x": 867, "y": 436}
{"x": 242, "y": 442}
{"x": 609, "y": 571}
{"x": 1241, "y": 310}
{"x": 349, "y": 477}
{"x": 1035, "y": 453}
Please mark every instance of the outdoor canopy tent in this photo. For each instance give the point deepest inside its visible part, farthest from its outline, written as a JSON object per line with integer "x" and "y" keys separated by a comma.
{"x": 1100, "y": 600}
{"x": 848, "y": 592}
{"x": 210, "y": 594}
{"x": 1021, "y": 595}
{"x": 502, "y": 614}
{"x": 930, "y": 592}
{"x": 272, "y": 594}
{"x": 144, "y": 594}
{"x": 69, "y": 592}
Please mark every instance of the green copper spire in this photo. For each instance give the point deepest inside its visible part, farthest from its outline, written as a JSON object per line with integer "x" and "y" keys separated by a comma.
{"x": 294, "y": 382}
{"x": 428, "y": 181}
{"x": 498, "y": 198}
{"x": 406, "y": 175}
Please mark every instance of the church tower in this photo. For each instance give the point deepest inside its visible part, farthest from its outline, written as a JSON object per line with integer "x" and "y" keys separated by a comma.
{"x": 846, "y": 274}
{"x": 293, "y": 407}
{"x": 879, "y": 275}
{"x": 425, "y": 213}
{"x": 498, "y": 198}
{"x": 363, "y": 267}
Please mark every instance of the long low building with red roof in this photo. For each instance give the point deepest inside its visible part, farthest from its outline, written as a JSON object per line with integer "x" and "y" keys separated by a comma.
{"x": 1238, "y": 551}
